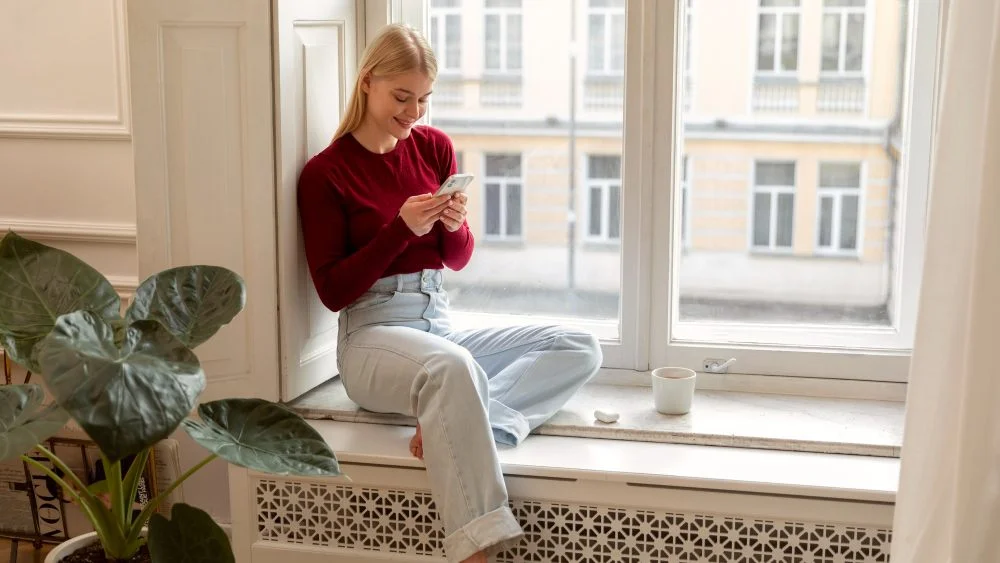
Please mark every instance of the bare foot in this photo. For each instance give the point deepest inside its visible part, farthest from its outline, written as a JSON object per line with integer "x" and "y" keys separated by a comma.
{"x": 417, "y": 449}
{"x": 477, "y": 558}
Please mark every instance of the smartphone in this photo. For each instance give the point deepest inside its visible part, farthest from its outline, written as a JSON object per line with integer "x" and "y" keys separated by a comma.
{"x": 454, "y": 184}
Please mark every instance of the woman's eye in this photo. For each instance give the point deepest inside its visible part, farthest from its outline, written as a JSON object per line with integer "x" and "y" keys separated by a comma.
{"x": 402, "y": 101}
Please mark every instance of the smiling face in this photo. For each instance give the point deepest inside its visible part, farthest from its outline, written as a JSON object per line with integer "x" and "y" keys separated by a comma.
{"x": 396, "y": 103}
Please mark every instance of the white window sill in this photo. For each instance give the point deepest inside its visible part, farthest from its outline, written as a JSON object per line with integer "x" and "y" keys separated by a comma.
{"x": 718, "y": 418}
{"x": 734, "y": 470}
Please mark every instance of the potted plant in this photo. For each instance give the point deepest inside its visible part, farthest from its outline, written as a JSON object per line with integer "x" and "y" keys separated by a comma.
{"x": 130, "y": 381}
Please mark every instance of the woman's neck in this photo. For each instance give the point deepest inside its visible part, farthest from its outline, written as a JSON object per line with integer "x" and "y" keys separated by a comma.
{"x": 372, "y": 138}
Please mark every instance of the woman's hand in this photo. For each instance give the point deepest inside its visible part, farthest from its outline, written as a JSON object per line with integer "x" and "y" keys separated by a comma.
{"x": 453, "y": 215}
{"x": 421, "y": 211}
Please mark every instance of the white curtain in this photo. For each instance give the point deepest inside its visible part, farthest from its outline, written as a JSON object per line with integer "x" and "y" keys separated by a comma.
{"x": 948, "y": 507}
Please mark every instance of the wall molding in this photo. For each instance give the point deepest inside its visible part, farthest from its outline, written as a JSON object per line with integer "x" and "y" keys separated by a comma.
{"x": 83, "y": 127}
{"x": 70, "y": 231}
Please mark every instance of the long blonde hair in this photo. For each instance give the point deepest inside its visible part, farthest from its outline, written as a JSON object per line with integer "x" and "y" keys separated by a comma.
{"x": 395, "y": 50}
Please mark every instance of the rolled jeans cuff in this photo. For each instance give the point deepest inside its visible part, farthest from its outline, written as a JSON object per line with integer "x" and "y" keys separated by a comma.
{"x": 491, "y": 532}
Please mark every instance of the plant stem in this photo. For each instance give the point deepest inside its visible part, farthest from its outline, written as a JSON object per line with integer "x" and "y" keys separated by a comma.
{"x": 95, "y": 512}
{"x": 80, "y": 487}
{"x": 113, "y": 474}
{"x": 132, "y": 482}
{"x": 147, "y": 511}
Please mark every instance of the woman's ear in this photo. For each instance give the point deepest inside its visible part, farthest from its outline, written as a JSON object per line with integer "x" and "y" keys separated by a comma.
{"x": 366, "y": 83}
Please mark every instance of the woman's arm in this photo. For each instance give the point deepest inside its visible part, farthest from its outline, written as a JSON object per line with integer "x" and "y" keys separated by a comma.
{"x": 339, "y": 277}
{"x": 456, "y": 247}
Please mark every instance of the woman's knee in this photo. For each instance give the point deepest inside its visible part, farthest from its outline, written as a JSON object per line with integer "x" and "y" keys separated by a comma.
{"x": 456, "y": 369}
{"x": 586, "y": 344}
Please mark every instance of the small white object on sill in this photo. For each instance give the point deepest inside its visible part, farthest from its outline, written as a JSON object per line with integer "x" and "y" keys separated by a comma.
{"x": 606, "y": 416}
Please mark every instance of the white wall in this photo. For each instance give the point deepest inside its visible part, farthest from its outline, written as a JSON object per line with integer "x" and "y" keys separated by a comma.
{"x": 66, "y": 156}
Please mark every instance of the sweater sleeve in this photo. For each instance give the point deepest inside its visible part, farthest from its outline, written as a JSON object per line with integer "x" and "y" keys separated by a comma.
{"x": 456, "y": 247}
{"x": 341, "y": 277}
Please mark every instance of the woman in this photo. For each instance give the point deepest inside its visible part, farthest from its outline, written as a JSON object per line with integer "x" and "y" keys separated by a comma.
{"x": 376, "y": 241}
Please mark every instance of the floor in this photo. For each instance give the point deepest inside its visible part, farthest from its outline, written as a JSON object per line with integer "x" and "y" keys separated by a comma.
{"x": 25, "y": 552}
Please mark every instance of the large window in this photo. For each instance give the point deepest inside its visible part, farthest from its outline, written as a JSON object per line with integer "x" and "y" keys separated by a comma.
{"x": 843, "y": 36}
{"x": 773, "y": 205}
{"x": 604, "y": 186}
{"x": 791, "y": 242}
{"x": 778, "y": 36}
{"x": 504, "y": 189}
{"x": 606, "y": 37}
{"x": 446, "y": 34}
{"x": 839, "y": 208}
{"x": 502, "y": 36}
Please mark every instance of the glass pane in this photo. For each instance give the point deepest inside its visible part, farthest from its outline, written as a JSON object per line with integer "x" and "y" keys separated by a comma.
{"x": 839, "y": 175}
{"x": 831, "y": 42}
{"x": 779, "y": 3}
{"x": 546, "y": 203}
{"x": 762, "y": 219}
{"x": 614, "y": 212}
{"x": 492, "y": 42}
{"x": 790, "y": 42}
{"x": 854, "y": 57}
{"x": 514, "y": 210}
{"x": 514, "y": 42}
{"x": 849, "y": 222}
{"x": 774, "y": 174}
{"x": 595, "y": 43}
{"x": 618, "y": 42}
{"x": 765, "y": 42}
{"x": 605, "y": 167}
{"x": 453, "y": 41}
{"x": 493, "y": 209}
{"x": 786, "y": 211}
{"x": 595, "y": 211}
{"x": 825, "y": 222}
{"x": 843, "y": 3}
{"x": 784, "y": 179}
{"x": 435, "y": 34}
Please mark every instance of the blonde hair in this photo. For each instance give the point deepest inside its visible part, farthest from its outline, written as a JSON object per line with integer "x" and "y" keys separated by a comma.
{"x": 396, "y": 49}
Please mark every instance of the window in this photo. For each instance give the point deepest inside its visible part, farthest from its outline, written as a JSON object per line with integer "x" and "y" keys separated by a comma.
{"x": 773, "y": 205}
{"x": 739, "y": 276}
{"x": 503, "y": 36}
{"x": 778, "y": 36}
{"x": 446, "y": 34}
{"x": 839, "y": 205}
{"x": 843, "y": 36}
{"x": 604, "y": 188}
{"x": 606, "y": 37}
{"x": 460, "y": 161}
{"x": 503, "y": 190}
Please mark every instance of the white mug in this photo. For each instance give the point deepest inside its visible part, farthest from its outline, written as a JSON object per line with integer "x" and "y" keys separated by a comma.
{"x": 673, "y": 389}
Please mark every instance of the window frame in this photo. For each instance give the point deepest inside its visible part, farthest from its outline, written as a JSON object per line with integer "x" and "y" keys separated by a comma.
{"x": 503, "y": 13}
{"x": 774, "y": 191}
{"x": 843, "y": 12}
{"x": 779, "y": 13}
{"x": 503, "y": 181}
{"x": 649, "y": 290}
{"x": 837, "y": 194}
{"x": 604, "y": 184}
{"x": 606, "y": 13}
{"x": 441, "y": 14}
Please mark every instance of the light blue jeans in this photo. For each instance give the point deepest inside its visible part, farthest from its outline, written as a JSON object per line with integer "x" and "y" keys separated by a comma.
{"x": 399, "y": 354}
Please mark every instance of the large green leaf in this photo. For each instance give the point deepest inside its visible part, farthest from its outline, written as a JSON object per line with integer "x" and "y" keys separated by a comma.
{"x": 24, "y": 421}
{"x": 190, "y": 536}
{"x": 262, "y": 436}
{"x": 126, "y": 399}
{"x": 39, "y": 283}
{"x": 193, "y": 302}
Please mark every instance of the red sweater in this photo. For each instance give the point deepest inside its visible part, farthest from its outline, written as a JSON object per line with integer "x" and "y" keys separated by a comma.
{"x": 349, "y": 200}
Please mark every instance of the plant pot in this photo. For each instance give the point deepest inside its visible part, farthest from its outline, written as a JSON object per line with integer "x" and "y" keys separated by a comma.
{"x": 70, "y": 546}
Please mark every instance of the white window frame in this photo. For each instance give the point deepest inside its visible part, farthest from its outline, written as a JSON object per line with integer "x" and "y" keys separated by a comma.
{"x": 865, "y": 358}
{"x": 604, "y": 185}
{"x": 779, "y": 13}
{"x": 837, "y": 195}
{"x": 606, "y": 12}
{"x": 843, "y": 12}
{"x": 504, "y": 14}
{"x": 440, "y": 15}
{"x": 774, "y": 191}
{"x": 503, "y": 181}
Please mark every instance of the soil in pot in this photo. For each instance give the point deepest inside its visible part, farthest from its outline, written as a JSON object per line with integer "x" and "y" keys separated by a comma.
{"x": 94, "y": 553}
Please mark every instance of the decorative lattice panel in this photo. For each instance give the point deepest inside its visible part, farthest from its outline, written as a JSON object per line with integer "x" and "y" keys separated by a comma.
{"x": 406, "y": 522}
